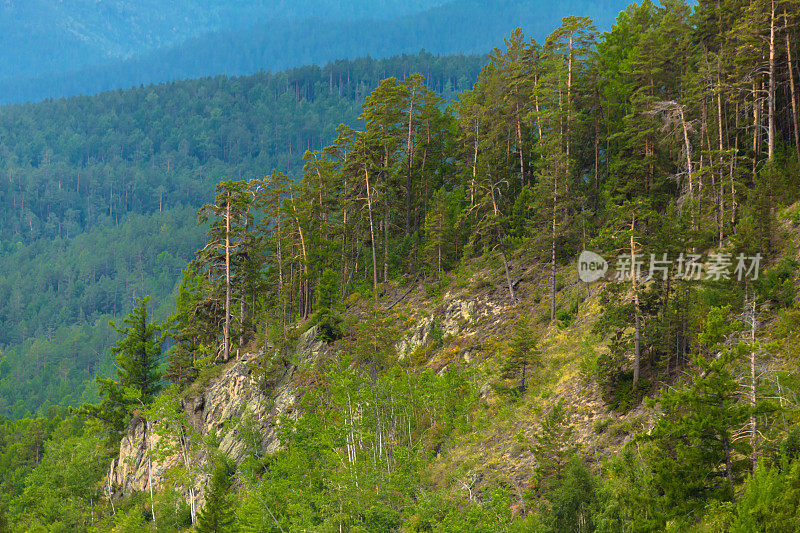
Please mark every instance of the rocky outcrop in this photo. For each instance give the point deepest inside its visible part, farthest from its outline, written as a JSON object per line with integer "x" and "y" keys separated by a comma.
{"x": 454, "y": 317}
{"x": 236, "y": 394}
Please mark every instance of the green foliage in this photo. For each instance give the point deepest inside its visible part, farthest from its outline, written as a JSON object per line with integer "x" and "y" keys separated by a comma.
{"x": 327, "y": 304}
{"x": 64, "y": 488}
{"x": 138, "y": 352}
{"x": 615, "y": 378}
{"x": 634, "y": 145}
{"x": 770, "y": 499}
{"x": 138, "y": 356}
{"x": 553, "y": 447}
{"x": 573, "y": 499}
{"x": 522, "y": 353}
{"x": 776, "y": 285}
{"x": 217, "y": 515}
{"x": 692, "y": 451}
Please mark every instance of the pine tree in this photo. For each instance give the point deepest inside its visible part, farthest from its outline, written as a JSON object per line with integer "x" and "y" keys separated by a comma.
{"x": 230, "y": 219}
{"x": 138, "y": 356}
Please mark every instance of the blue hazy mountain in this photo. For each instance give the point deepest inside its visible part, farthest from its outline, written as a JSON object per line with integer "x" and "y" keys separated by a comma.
{"x": 46, "y": 36}
{"x": 255, "y": 35}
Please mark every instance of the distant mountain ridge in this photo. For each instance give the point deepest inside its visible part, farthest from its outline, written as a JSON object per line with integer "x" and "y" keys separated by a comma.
{"x": 460, "y": 26}
{"x": 51, "y": 36}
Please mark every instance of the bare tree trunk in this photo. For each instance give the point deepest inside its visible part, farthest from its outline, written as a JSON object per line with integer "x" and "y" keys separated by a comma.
{"x": 303, "y": 284}
{"x": 372, "y": 236}
{"x": 721, "y": 168}
{"x": 733, "y": 166}
{"x": 553, "y": 266}
{"x": 756, "y": 124}
{"x": 688, "y": 148}
{"x": 150, "y": 472}
{"x": 474, "y": 165}
{"x": 791, "y": 85}
{"x": 634, "y": 282}
{"x": 281, "y": 297}
{"x": 519, "y": 140}
{"x": 227, "y": 332}
{"x": 409, "y": 180}
{"x": 753, "y": 420}
{"x": 386, "y": 241}
{"x": 771, "y": 92}
{"x": 569, "y": 97}
{"x": 511, "y": 292}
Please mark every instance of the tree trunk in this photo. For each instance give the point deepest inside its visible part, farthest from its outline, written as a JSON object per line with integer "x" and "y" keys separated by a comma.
{"x": 386, "y": 240}
{"x": 569, "y": 96}
{"x": 409, "y": 180}
{"x": 753, "y": 420}
{"x": 303, "y": 284}
{"x": 791, "y": 85}
{"x": 519, "y": 140}
{"x": 756, "y": 124}
{"x": 227, "y": 332}
{"x": 372, "y": 237}
{"x": 634, "y": 285}
{"x": 474, "y": 165}
{"x": 721, "y": 169}
{"x": 511, "y": 292}
{"x": 553, "y": 269}
{"x": 771, "y": 91}
{"x": 688, "y": 148}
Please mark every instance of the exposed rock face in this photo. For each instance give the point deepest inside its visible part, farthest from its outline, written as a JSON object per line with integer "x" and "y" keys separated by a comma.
{"x": 454, "y": 317}
{"x": 229, "y": 398}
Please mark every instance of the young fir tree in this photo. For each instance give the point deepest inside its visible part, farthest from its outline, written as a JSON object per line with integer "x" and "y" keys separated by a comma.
{"x": 217, "y": 515}
{"x": 138, "y": 352}
{"x": 522, "y": 353}
{"x": 191, "y": 327}
{"x": 553, "y": 447}
{"x": 694, "y": 456}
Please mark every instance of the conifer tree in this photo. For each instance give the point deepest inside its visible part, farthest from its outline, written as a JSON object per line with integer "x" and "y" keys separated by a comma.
{"x": 522, "y": 354}
{"x": 138, "y": 352}
{"x": 230, "y": 218}
{"x": 217, "y": 515}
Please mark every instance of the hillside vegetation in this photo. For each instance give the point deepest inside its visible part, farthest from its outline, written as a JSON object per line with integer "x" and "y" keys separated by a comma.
{"x": 99, "y": 194}
{"x": 409, "y": 320}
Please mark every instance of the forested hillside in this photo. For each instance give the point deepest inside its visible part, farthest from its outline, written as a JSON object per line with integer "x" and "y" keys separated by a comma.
{"x": 405, "y": 339}
{"x": 98, "y": 196}
{"x": 321, "y": 35}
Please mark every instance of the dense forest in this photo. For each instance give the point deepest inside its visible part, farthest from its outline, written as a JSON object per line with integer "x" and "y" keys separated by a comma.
{"x": 675, "y": 134}
{"x": 99, "y": 194}
{"x": 323, "y": 34}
